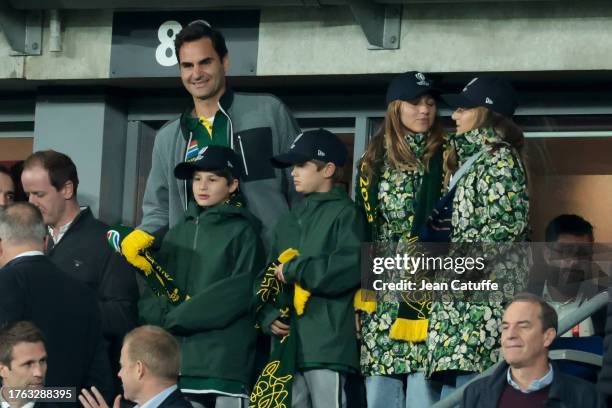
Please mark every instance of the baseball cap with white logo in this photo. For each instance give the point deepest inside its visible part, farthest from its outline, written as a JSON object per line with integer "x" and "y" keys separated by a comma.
{"x": 211, "y": 158}
{"x": 319, "y": 144}
{"x": 490, "y": 92}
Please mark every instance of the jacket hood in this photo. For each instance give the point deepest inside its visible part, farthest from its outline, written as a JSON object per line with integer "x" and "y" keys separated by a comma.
{"x": 222, "y": 212}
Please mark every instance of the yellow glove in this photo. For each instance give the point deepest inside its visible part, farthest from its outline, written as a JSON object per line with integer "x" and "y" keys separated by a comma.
{"x": 132, "y": 247}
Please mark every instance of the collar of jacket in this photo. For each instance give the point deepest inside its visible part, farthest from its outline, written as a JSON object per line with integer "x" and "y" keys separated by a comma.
{"x": 83, "y": 215}
{"x": 18, "y": 260}
{"x": 225, "y": 101}
{"x": 498, "y": 381}
{"x": 336, "y": 193}
{"x": 469, "y": 143}
{"x": 219, "y": 212}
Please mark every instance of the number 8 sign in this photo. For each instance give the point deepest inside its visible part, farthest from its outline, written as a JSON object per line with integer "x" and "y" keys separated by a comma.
{"x": 164, "y": 54}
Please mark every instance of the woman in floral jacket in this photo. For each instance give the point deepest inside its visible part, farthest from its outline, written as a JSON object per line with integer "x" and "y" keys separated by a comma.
{"x": 490, "y": 205}
{"x": 399, "y": 181}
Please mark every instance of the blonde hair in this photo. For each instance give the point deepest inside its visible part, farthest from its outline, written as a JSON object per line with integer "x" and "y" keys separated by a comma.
{"x": 156, "y": 348}
{"x": 390, "y": 140}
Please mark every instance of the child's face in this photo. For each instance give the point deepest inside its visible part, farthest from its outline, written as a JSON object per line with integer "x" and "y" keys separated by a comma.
{"x": 210, "y": 189}
{"x": 307, "y": 179}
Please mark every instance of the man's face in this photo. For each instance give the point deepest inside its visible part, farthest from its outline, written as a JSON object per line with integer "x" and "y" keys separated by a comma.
{"x": 202, "y": 70}
{"x": 7, "y": 190}
{"x": 41, "y": 193}
{"x": 523, "y": 340}
{"x": 27, "y": 368}
{"x": 130, "y": 376}
{"x": 571, "y": 256}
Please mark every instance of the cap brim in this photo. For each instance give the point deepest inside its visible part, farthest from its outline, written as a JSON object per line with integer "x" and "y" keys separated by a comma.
{"x": 288, "y": 159}
{"x": 184, "y": 171}
{"x": 458, "y": 101}
{"x": 435, "y": 93}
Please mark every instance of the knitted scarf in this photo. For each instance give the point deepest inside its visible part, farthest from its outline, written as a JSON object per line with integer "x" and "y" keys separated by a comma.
{"x": 274, "y": 384}
{"x": 413, "y": 315}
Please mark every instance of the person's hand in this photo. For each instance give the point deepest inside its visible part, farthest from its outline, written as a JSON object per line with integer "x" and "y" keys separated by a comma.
{"x": 94, "y": 399}
{"x": 278, "y": 328}
{"x": 279, "y": 273}
{"x": 357, "y": 325}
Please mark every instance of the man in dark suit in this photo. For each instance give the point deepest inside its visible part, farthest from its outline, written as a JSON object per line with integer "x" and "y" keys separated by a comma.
{"x": 150, "y": 364}
{"x": 77, "y": 244}
{"x": 32, "y": 288}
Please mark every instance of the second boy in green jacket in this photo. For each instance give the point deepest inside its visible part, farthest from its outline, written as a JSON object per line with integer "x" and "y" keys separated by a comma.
{"x": 327, "y": 232}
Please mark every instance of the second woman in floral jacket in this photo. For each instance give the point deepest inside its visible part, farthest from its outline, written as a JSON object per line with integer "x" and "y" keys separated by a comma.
{"x": 490, "y": 205}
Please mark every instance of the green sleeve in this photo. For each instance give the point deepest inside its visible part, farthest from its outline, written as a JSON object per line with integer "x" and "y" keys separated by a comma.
{"x": 152, "y": 309}
{"x": 227, "y": 299}
{"x": 337, "y": 272}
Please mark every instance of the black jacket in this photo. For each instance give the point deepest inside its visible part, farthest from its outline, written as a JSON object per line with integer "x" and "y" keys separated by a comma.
{"x": 175, "y": 400}
{"x": 565, "y": 391}
{"x": 605, "y": 375}
{"x": 84, "y": 254}
{"x": 32, "y": 288}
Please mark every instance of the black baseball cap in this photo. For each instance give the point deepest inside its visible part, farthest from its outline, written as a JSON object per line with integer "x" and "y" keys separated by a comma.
{"x": 317, "y": 144}
{"x": 409, "y": 86}
{"x": 490, "y": 92}
{"x": 211, "y": 158}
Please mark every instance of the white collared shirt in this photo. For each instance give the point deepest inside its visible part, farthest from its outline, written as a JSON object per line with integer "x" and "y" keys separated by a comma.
{"x": 159, "y": 398}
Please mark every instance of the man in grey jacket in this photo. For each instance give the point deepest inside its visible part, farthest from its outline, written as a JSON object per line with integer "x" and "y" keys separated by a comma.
{"x": 256, "y": 126}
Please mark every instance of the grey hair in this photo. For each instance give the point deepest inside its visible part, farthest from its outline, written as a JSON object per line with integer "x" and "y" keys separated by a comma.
{"x": 22, "y": 223}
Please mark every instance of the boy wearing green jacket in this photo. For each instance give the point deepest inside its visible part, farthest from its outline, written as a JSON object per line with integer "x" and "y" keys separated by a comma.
{"x": 213, "y": 256}
{"x": 327, "y": 231}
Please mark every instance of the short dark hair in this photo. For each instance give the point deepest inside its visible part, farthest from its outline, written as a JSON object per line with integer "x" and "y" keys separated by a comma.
{"x": 338, "y": 173}
{"x": 200, "y": 29}
{"x": 548, "y": 315}
{"x": 14, "y": 333}
{"x": 60, "y": 167}
{"x": 568, "y": 224}
{"x": 4, "y": 170}
{"x": 156, "y": 348}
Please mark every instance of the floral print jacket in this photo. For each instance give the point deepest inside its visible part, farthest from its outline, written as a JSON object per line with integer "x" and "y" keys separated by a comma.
{"x": 491, "y": 204}
{"x": 397, "y": 190}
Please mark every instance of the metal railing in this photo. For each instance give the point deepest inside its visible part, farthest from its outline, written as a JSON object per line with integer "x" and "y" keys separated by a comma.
{"x": 565, "y": 324}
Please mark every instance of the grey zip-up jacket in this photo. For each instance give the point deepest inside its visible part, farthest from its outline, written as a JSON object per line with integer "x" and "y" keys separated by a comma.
{"x": 260, "y": 126}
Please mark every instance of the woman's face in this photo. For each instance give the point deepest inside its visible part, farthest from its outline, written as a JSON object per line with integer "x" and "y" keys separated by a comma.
{"x": 465, "y": 119}
{"x": 418, "y": 115}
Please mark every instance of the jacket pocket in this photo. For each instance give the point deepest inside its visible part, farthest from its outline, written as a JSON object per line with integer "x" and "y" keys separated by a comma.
{"x": 255, "y": 149}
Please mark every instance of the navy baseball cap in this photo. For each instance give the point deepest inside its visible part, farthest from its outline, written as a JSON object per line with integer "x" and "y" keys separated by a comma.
{"x": 490, "y": 92}
{"x": 211, "y": 158}
{"x": 317, "y": 144}
{"x": 409, "y": 86}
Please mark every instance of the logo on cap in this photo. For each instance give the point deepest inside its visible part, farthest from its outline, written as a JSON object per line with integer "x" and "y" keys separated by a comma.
{"x": 320, "y": 153}
{"x": 470, "y": 83}
{"x": 296, "y": 139}
{"x": 421, "y": 80}
{"x": 488, "y": 101}
{"x": 229, "y": 164}
{"x": 201, "y": 153}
